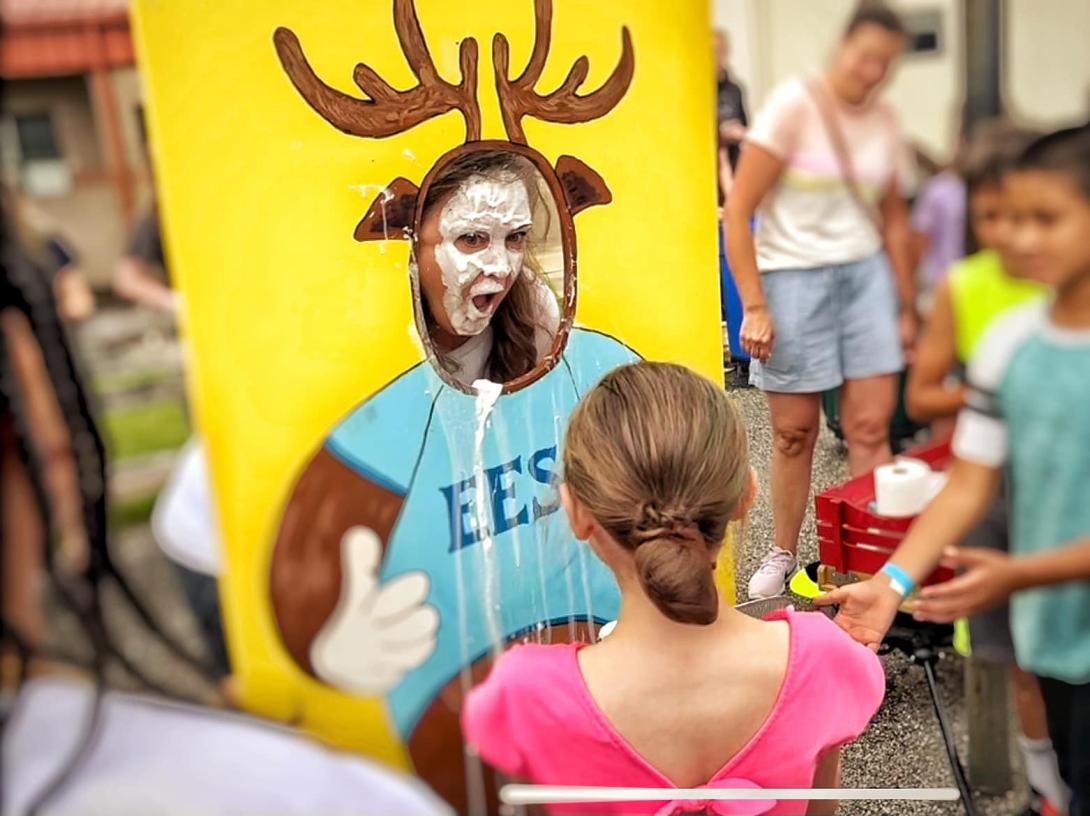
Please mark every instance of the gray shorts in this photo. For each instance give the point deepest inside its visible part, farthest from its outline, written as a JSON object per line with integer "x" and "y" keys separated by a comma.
{"x": 832, "y": 323}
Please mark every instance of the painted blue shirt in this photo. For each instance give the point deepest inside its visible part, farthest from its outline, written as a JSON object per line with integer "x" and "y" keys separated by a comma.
{"x": 499, "y": 565}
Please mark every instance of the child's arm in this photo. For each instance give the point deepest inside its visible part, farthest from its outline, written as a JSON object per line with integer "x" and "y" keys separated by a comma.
{"x": 827, "y": 775}
{"x": 867, "y": 608}
{"x": 980, "y": 448}
{"x": 992, "y": 576}
{"x": 927, "y": 397}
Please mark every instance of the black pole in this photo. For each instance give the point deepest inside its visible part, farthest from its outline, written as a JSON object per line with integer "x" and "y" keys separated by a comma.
{"x": 983, "y": 60}
{"x": 983, "y": 72}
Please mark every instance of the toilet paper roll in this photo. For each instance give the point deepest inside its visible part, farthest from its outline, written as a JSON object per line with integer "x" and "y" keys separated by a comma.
{"x": 903, "y": 488}
{"x": 939, "y": 478}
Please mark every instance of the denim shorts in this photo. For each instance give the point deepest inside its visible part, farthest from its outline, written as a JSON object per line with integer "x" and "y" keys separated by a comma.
{"x": 832, "y": 323}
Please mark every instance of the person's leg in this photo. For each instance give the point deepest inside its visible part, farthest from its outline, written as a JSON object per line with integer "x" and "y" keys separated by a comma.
{"x": 1034, "y": 743}
{"x": 805, "y": 362}
{"x": 795, "y": 420}
{"x": 871, "y": 359}
{"x": 1029, "y": 705}
{"x": 866, "y": 407}
{"x": 1079, "y": 748}
{"x": 202, "y": 594}
{"x": 1068, "y": 713}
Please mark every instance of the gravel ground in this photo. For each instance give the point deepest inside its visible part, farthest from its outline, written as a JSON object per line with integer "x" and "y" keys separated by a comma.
{"x": 903, "y": 746}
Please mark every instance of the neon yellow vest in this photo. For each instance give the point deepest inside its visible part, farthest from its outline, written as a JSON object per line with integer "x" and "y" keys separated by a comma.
{"x": 980, "y": 291}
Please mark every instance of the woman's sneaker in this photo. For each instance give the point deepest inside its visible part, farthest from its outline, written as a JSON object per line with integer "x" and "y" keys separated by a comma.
{"x": 770, "y": 579}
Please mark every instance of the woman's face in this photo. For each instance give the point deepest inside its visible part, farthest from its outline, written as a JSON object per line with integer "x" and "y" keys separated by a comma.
{"x": 469, "y": 253}
{"x": 864, "y": 58}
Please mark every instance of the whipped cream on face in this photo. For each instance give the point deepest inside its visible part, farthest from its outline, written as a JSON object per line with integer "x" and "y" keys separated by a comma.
{"x": 493, "y": 207}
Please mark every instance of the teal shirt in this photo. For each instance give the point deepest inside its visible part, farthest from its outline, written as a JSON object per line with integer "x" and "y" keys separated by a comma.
{"x": 1029, "y": 408}
{"x": 519, "y": 569}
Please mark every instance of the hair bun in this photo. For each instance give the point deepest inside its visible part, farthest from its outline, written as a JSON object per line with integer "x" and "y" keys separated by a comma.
{"x": 679, "y": 579}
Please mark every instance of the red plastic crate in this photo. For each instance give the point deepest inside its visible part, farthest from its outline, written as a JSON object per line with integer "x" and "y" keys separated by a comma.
{"x": 852, "y": 537}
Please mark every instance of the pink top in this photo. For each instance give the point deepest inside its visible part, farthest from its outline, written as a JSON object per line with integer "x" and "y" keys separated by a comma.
{"x": 534, "y": 719}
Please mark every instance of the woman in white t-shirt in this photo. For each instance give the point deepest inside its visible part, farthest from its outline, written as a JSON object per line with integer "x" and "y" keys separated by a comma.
{"x": 823, "y": 169}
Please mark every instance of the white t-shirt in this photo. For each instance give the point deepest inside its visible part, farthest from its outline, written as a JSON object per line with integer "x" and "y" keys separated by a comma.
{"x": 156, "y": 757}
{"x": 183, "y": 521}
{"x": 809, "y": 219}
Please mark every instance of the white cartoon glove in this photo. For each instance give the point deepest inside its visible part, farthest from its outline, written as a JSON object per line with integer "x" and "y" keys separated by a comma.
{"x": 377, "y": 632}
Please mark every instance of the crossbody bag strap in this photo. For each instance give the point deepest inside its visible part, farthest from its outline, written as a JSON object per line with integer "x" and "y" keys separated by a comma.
{"x": 840, "y": 148}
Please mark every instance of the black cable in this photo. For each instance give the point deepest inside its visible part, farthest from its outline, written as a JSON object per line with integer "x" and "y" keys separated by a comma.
{"x": 947, "y": 736}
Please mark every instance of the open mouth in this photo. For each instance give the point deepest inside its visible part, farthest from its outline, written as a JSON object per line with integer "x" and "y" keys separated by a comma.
{"x": 485, "y": 295}
{"x": 484, "y": 303}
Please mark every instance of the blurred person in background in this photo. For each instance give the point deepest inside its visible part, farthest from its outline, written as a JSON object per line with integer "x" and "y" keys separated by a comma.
{"x": 141, "y": 275}
{"x": 52, "y": 446}
{"x": 826, "y": 280}
{"x": 938, "y": 226}
{"x": 975, "y": 292}
{"x": 55, "y": 258}
{"x": 730, "y": 113}
{"x": 182, "y": 521}
{"x": 72, "y": 746}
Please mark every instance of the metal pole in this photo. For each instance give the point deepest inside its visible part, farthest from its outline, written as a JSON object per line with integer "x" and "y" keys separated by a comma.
{"x": 983, "y": 72}
{"x": 983, "y": 60}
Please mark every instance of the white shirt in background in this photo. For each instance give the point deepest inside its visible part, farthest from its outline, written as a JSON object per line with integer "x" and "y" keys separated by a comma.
{"x": 810, "y": 219}
{"x": 153, "y": 757}
{"x": 183, "y": 521}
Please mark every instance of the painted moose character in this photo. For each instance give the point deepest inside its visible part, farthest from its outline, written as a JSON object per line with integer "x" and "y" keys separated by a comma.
{"x": 424, "y": 534}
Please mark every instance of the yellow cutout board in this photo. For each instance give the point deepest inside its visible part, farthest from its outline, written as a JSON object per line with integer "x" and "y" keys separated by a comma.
{"x": 294, "y": 324}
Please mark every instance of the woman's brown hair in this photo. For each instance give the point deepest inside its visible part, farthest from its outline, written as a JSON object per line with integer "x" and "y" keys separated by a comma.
{"x": 657, "y": 454}
{"x": 514, "y": 326}
{"x": 877, "y": 13}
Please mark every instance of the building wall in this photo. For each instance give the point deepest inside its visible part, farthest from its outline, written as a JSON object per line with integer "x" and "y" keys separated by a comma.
{"x": 67, "y": 99}
{"x": 1048, "y": 60}
{"x": 88, "y": 215}
{"x": 1046, "y": 71}
{"x": 128, "y": 94}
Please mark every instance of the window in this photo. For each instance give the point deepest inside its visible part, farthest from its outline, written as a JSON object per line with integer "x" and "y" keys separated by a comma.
{"x": 37, "y": 141}
{"x": 925, "y": 31}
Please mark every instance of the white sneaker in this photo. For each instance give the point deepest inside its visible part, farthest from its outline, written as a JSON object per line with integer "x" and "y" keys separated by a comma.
{"x": 771, "y": 577}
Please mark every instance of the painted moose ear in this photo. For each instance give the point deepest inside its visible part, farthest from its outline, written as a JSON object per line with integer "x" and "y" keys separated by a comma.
{"x": 391, "y": 213}
{"x": 582, "y": 186}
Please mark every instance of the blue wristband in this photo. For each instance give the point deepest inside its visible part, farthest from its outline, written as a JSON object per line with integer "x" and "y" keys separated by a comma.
{"x": 898, "y": 579}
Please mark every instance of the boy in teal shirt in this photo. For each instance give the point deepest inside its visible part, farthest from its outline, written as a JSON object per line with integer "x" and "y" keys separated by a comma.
{"x": 1027, "y": 408}
{"x": 976, "y": 291}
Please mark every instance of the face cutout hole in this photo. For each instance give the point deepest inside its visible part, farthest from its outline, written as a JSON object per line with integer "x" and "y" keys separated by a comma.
{"x": 491, "y": 267}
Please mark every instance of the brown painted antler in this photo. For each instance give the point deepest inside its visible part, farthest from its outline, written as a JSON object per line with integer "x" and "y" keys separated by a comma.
{"x": 388, "y": 111}
{"x": 565, "y": 105}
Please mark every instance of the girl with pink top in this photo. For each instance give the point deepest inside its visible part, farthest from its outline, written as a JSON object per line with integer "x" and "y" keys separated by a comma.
{"x": 682, "y": 694}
